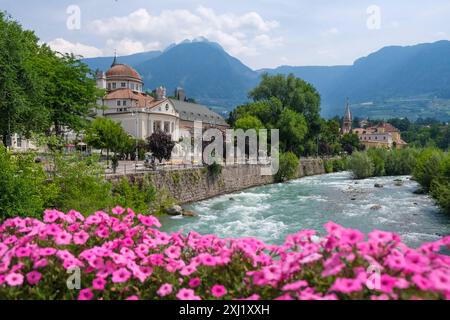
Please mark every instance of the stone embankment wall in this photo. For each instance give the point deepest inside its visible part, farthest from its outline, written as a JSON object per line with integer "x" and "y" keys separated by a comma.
{"x": 190, "y": 185}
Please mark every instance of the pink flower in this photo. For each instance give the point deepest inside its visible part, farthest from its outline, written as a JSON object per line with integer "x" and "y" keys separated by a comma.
{"x": 99, "y": 284}
{"x": 149, "y": 221}
{"x": 218, "y": 291}
{"x": 346, "y": 285}
{"x": 23, "y": 252}
{"x": 132, "y": 298}
{"x": 118, "y": 210}
{"x": 34, "y": 277}
{"x": 165, "y": 290}
{"x": 121, "y": 275}
{"x": 440, "y": 280}
{"x": 63, "y": 238}
{"x": 14, "y": 279}
{"x": 50, "y": 216}
{"x": 85, "y": 294}
{"x": 80, "y": 237}
{"x": 173, "y": 252}
{"x": 295, "y": 285}
{"x": 194, "y": 282}
{"x": 187, "y": 294}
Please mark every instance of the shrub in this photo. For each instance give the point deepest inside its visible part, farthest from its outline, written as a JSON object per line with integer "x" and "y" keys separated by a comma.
{"x": 328, "y": 164}
{"x": 139, "y": 197}
{"x": 361, "y": 165}
{"x": 288, "y": 167}
{"x": 427, "y": 167}
{"x": 340, "y": 164}
{"x": 82, "y": 184}
{"x": 214, "y": 170}
{"x": 24, "y": 187}
{"x": 401, "y": 162}
{"x": 378, "y": 157}
{"x": 125, "y": 256}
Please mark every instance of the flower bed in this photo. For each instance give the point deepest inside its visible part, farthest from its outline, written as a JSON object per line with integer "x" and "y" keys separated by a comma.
{"x": 123, "y": 255}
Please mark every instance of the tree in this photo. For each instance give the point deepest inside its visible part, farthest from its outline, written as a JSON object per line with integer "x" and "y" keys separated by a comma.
{"x": 294, "y": 93}
{"x": 70, "y": 94}
{"x": 249, "y": 122}
{"x": 106, "y": 134}
{"x": 293, "y": 129}
{"x": 20, "y": 87}
{"x": 350, "y": 143}
{"x": 160, "y": 144}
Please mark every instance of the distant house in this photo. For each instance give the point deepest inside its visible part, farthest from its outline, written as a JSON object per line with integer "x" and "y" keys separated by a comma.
{"x": 383, "y": 135}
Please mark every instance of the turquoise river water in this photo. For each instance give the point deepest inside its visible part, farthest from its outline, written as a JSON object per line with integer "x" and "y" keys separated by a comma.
{"x": 272, "y": 212}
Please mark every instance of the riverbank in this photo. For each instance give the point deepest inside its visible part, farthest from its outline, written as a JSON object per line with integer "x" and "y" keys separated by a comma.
{"x": 191, "y": 185}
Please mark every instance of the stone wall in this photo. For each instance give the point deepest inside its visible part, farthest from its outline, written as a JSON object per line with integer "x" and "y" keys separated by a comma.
{"x": 190, "y": 185}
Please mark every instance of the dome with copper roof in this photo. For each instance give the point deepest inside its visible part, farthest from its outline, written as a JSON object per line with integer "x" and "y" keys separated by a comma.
{"x": 122, "y": 71}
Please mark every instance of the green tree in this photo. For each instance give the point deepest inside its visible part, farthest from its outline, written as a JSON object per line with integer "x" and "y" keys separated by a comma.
{"x": 21, "y": 88}
{"x": 249, "y": 122}
{"x": 106, "y": 134}
{"x": 293, "y": 129}
{"x": 70, "y": 95}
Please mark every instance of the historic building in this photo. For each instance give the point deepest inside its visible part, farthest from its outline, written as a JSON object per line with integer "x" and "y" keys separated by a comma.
{"x": 383, "y": 135}
{"x": 142, "y": 114}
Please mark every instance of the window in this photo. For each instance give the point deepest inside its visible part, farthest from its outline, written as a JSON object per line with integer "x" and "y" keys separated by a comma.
{"x": 172, "y": 127}
{"x": 109, "y": 86}
{"x": 167, "y": 107}
{"x": 114, "y": 85}
{"x": 118, "y": 103}
{"x": 132, "y": 86}
{"x": 166, "y": 126}
{"x": 124, "y": 102}
{"x": 156, "y": 126}
{"x": 123, "y": 84}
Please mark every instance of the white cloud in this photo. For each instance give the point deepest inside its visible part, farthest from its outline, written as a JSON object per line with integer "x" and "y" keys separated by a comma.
{"x": 64, "y": 46}
{"x": 242, "y": 34}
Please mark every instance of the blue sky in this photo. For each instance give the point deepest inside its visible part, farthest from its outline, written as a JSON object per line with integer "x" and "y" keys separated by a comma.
{"x": 264, "y": 33}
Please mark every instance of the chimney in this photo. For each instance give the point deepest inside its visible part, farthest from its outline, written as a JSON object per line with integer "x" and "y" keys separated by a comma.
{"x": 160, "y": 93}
{"x": 180, "y": 94}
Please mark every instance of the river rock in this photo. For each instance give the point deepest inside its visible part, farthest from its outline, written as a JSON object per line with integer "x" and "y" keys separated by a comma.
{"x": 376, "y": 207}
{"x": 378, "y": 185}
{"x": 174, "y": 210}
{"x": 187, "y": 213}
{"x": 398, "y": 183}
{"x": 231, "y": 199}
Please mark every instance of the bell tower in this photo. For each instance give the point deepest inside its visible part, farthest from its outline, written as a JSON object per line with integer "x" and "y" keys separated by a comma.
{"x": 348, "y": 120}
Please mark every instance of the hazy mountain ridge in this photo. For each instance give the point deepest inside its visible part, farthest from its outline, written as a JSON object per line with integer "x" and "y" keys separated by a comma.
{"x": 390, "y": 78}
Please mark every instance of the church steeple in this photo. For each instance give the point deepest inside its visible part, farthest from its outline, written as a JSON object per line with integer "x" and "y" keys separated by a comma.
{"x": 348, "y": 119}
{"x": 115, "y": 59}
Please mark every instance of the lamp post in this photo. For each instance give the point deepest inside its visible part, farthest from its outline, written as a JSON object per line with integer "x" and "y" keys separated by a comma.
{"x": 136, "y": 114}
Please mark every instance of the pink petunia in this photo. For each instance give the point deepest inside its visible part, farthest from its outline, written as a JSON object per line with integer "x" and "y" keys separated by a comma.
{"x": 99, "y": 284}
{"x": 63, "y": 238}
{"x": 173, "y": 252}
{"x": 165, "y": 290}
{"x": 187, "y": 294}
{"x": 14, "y": 279}
{"x": 194, "y": 282}
{"x": 218, "y": 291}
{"x": 118, "y": 210}
{"x": 345, "y": 285}
{"x": 85, "y": 294}
{"x": 34, "y": 277}
{"x": 80, "y": 237}
{"x": 121, "y": 275}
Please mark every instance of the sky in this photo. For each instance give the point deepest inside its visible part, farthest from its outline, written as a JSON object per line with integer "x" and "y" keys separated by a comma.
{"x": 261, "y": 33}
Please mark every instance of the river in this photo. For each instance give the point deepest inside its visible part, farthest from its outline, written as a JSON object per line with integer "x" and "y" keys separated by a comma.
{"x": 272, "y": 212}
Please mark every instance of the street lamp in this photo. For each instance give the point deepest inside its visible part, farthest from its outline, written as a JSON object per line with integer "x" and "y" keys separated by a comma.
{"x": 136, "y": 113}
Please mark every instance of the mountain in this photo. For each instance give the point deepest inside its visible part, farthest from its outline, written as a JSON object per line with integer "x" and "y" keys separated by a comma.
{"x": 395, "y": 81}
{"x": 104, "y": 63}
{"x": 204, "y": 70}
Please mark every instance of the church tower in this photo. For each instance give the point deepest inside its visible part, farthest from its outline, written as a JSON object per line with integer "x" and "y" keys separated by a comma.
{"x": 348, "y": 120}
